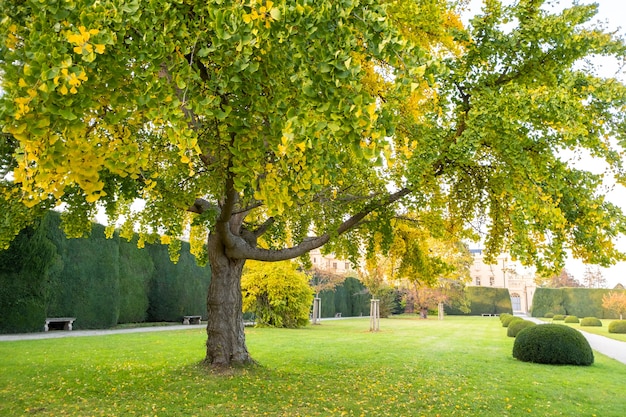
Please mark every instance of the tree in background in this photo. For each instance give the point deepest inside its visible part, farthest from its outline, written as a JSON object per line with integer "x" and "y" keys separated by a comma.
{"x": 277, "y": 294}
{"x": 324, "y": 280}
{"x": 560, "y": 280}
{"x": 593, "y": 277}
{"x": 256, "y": 125}
{"x": 616, "y": 302}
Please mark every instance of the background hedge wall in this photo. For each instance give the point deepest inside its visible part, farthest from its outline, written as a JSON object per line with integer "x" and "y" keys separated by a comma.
{"x": 101, "y": 282}
{"x": 484, "y": 300}
{"x": 350, "y": 299}
{"x": 581, "y": 302}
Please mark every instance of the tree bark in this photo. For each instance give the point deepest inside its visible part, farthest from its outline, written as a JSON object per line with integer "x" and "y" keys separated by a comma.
{"x": 226, "y": 343}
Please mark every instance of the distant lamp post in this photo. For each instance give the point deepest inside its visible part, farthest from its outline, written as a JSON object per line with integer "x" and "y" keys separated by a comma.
{"x": 504, "y": 261}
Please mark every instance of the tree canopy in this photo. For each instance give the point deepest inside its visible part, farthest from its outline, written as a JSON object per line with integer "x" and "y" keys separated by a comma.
{"x": 268, "y": 129}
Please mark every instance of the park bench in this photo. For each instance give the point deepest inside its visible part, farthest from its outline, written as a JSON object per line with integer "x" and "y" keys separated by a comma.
{"x": 490, "y": 315}
{"x": 337, "y": 315}
{"x": 59, "y": 323}
{"x": 192, "y": 319}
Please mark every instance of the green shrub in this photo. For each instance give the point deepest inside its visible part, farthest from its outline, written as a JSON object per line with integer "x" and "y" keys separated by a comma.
{"x": 571, "y": 319}
{"x": 552, "y": 344}
{"x": 277, "y": 294}
{"x": 558, "y": 317}
{"x": 505, "y": 316}
{"x": 508, "y": 320}
{"x": 617, "y": 326}
{"x": 484, "y": 300}
{"x": 548, "y": 315}
{"x": 591, "y": 322}
{"x": 517, "y": 326}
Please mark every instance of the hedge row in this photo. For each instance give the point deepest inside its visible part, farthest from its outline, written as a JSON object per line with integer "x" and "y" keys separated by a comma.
{"x": 101, "y": 282}
{"x": 349, "y": 299}
{"x": 581, "y": 302}
{"x": 485, "y": 300}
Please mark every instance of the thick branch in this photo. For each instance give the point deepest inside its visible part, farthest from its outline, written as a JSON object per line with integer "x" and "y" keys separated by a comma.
{"x": 200, "y": 206}
{"x": 238, "y": 248}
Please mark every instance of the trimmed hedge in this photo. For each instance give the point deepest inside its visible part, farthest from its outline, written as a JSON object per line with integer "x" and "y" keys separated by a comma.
{"x": 591, "y": 322}
{"x": 558, "y": 317}
{"x": 517, "y": 326}
{"x": 581, "y": 302}
{"x": 571, "y": 319}
{"x": 548, "y": 315}
{"x": 350, "y": 299}
{"x": 484, "y": 300}
{"x": 99, "y": 281}
{"x": 552, "y": 344}
{"x": 617, "y": 326}
{"x": 24, "y": 275}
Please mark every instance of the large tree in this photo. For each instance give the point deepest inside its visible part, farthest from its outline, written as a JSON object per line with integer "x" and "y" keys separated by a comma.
{"x": 271, "y": 128}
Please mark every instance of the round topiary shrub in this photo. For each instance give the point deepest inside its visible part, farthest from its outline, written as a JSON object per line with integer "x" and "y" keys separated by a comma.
{"x": 571, "y": 319}
{"x": 548, "y": 315}
{"x": 505, "y": 316}
{"x": 591, "y": 322}
{"x": 517, "y": 326}
{"x": 507, "y": 321}
{"x": 558, "y": 317}
{"x": 552, "y": 344}
{"x": 617, "y": 326}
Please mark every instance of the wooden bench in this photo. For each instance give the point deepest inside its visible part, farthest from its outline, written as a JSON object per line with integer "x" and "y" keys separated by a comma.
{"x": 192, "y": 319}
{"x": 59, "y": 323}
{"x": 490, "y": 315}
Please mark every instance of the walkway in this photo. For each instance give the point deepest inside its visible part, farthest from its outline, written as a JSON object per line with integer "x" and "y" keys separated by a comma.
{"x": 56, "y": 334}
{"x": 610, "y": 347}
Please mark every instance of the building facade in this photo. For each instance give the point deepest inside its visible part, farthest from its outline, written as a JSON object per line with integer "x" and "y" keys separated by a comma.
{"x": 330, "y": 263}
{"x": 505, "y": 273}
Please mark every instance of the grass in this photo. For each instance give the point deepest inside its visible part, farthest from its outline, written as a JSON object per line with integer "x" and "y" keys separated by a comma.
{"x": 602, "y": 331}
{"x": 461, "y": 366}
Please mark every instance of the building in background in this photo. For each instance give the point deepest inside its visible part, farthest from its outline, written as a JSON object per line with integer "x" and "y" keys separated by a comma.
{"x": 505, "y": 273}
{"x": 330, "y": 263}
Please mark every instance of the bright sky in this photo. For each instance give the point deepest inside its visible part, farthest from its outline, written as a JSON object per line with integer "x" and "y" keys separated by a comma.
{"x": 610, "y": 13}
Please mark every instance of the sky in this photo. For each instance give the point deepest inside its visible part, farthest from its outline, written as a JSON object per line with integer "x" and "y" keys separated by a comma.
{"x": 612, "y": 14}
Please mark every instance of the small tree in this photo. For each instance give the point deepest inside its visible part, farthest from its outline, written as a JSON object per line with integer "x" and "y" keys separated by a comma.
{"x": 277, "y": 294}
{"x": 615, "y": 301}
{"x": 593, "y": 277}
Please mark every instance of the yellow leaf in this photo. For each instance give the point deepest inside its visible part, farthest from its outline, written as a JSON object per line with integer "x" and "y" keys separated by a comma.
{"x": 78, "y": 49}
{"x": 63, "y": 89}
{"x": 99, "y": 48}
{"x": 22, "y": 83}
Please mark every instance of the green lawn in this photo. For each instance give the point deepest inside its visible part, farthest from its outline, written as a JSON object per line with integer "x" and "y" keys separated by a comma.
{"x": 602, "y": 331}
{"x": 459, "y": 367}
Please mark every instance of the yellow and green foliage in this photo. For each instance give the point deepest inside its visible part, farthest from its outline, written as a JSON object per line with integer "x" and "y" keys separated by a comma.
{"x": 277, "y": 293}
{"x": 280, "y": 127}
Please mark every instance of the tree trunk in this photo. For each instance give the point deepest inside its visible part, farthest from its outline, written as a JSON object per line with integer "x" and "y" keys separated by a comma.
{"x": 226, "y": 343}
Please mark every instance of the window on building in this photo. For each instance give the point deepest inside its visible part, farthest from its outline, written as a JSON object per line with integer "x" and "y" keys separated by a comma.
{"x": 478, "y": 281}
{"x": 492, "y": 281}
{"x": 347, "y": 266}
{"x": 314, "y": 259}
{"x": 334, "y": 265}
